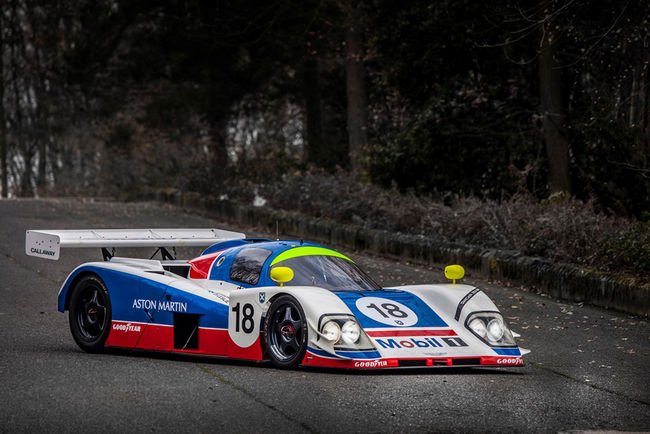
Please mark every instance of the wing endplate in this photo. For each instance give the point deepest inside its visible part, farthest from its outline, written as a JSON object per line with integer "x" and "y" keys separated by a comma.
{"x": 48, "y": 243}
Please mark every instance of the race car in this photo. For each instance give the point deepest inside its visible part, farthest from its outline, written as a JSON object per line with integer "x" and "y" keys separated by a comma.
{"x": 292, "y": 303}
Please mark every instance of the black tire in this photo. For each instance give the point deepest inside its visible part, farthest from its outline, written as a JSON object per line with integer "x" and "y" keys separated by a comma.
{"x": 285, "y": 332}
{"x": 90, "y": 314}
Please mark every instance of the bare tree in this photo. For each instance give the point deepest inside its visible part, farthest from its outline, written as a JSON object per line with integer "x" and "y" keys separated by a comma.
{"x": 541, "y": 22}
{"x": 355, "y": 88}
{"x": 552, "y": 107}
{"x": 3, "y": 135}
{"x": 313, "y": 111}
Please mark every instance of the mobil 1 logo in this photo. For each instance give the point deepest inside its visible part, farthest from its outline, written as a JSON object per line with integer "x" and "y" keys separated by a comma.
{"x": 386, "y": 311}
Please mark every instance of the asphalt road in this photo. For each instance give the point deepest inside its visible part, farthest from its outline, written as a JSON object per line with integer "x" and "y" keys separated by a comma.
{"x": 589, "y": 368}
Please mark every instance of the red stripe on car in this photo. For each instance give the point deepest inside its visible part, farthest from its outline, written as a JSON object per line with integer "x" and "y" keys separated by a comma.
{"x": 390, "y": 333}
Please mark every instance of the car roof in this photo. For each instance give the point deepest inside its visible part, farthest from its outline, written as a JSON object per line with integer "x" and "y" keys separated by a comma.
{"x": 278, "y": 248}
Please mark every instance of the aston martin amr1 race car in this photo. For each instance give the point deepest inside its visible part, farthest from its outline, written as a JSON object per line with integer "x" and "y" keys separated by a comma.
{"x": 293, "y": 303}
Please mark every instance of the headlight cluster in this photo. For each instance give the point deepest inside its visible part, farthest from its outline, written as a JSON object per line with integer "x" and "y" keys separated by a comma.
{"x": 339, "y": 331}
{"x": 491, "y": 328}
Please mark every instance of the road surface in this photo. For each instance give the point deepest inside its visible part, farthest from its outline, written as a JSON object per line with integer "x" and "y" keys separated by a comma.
{"x": 589, "y": 368}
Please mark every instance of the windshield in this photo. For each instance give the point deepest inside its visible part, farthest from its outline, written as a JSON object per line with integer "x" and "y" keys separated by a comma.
{"x": 329, "y": 272}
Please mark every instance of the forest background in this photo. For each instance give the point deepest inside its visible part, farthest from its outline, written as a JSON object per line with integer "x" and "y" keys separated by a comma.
{"x": 518, "y": 125}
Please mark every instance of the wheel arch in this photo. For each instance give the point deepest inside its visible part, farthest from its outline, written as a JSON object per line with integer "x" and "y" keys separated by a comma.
{"x": 266, "y": 353}
{"x": 314, "y": 302}
{"x": 267, "y": 306}
{"x": 71, "y": 281}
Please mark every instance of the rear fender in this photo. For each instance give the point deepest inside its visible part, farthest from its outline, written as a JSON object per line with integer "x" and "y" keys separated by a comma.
{"x": 66, "y": 289}
{"x": 123, "y": 288}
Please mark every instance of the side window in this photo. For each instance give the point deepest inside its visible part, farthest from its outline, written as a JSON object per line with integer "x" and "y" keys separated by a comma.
{"x": 247, "y": 265}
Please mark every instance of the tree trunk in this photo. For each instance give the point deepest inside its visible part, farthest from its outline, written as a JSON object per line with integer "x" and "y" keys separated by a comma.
{"x": 315, "y": 146}
{"x": 646, "y": 154}
{"x": 638, "y": 93}
{"x": 26, "y": 189}
{"x": 219, "y": 157}
{"x": 41, "y": 168}
{"x": 639, "y": 107}
{"x": 356, "y": 91}
{"x": 3, "y": 135}
{"x": 550, "y": 89}
{"x": 41, "y": 111}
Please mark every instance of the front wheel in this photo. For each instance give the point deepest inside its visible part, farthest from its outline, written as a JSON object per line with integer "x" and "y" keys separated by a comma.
{"x": 285, "y": 332}
{"x": 90, "y": 314}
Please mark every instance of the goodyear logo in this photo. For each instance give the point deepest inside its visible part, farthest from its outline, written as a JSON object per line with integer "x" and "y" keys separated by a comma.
{"x": 510, "y": 361}
{"x": 371, "y": 364}
{"x": 128, "y": 327}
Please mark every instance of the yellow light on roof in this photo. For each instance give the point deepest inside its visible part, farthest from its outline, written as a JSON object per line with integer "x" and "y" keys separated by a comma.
{"x": 281, "y": 275}
{"x": 454, "y": 273}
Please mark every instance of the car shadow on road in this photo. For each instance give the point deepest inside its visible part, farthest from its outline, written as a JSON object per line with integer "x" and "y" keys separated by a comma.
{"x": 194, "y": 358}
{"x": 409, "y": 371}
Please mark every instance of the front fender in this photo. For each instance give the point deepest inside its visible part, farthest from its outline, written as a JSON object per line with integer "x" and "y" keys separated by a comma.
{"x": 315, "y": 302}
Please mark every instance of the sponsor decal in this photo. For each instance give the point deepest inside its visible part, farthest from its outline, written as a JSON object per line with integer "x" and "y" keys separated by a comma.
{"x": 386, "y": 311}
{"x": 371, "y": 364}
{"x": 219, "y": 296}
{"x": 454, "y": 342}
{"x": 419, "y": 343}
{"x": 262, "y": 297}
{"x": 43, "y": 252}
{"x": 464, "y": 301}
{"x": 170, "y": 306}
{"x": 390, "y": 307}
{"x": 128, "y": 327}
{"x": 510, "y": 361}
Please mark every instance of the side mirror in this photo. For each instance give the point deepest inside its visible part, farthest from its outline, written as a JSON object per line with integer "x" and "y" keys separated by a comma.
{"x": 454, "y": 273}
{"x": 281, "y": 275}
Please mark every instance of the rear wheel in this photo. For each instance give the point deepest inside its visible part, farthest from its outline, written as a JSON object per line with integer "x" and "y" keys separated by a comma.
{"x": 90, "y": 314}
{"x": 285, "y": 332}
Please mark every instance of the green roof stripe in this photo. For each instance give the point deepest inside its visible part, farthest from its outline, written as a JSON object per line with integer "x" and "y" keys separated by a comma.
{"x": 297, "y": 252}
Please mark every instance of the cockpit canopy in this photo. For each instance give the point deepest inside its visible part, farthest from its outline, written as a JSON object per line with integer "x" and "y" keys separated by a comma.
{"x": 336, "y": 273}
{"x": 250, "y": 264}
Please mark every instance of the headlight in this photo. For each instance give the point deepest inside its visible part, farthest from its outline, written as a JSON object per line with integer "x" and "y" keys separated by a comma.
{"x": 495, "y": 330}
{"x": 342, "y": 332}
{"x": 351, "y": 332}
{"x": 491, "y": 329}
{"x": 478, "y": 326}
{"x": 331, "y": 331}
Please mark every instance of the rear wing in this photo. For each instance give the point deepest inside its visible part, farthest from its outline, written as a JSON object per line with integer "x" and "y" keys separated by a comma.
{"x": 48, "y": 243}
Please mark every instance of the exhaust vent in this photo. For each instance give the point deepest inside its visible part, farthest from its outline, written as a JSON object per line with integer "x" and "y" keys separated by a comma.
{"x": 186, "y": 331}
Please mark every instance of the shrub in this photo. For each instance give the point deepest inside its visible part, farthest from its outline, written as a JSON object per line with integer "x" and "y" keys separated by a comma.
{"x": 562, "y": 229}
{"x": 628, "y": 249}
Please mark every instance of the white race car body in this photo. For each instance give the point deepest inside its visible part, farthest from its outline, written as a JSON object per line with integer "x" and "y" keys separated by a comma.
{"x": 225, "y": 303}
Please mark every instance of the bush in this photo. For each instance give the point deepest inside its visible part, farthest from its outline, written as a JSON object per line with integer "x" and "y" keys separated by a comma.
{"x": 628, "y": 249}
{"x": 562, "y": 228}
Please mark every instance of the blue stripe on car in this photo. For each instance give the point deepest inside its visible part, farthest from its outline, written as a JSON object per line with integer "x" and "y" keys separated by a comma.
{"x": 348, "y": 354}
{"x": 126, "y": 289}
{"x": 426, "y": 316}
{"x": 507, "y": 351}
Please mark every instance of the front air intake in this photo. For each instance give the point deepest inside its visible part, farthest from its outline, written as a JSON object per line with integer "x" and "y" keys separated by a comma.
{"x": 466, "y": 362}
{"x": 411, "y": 363}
